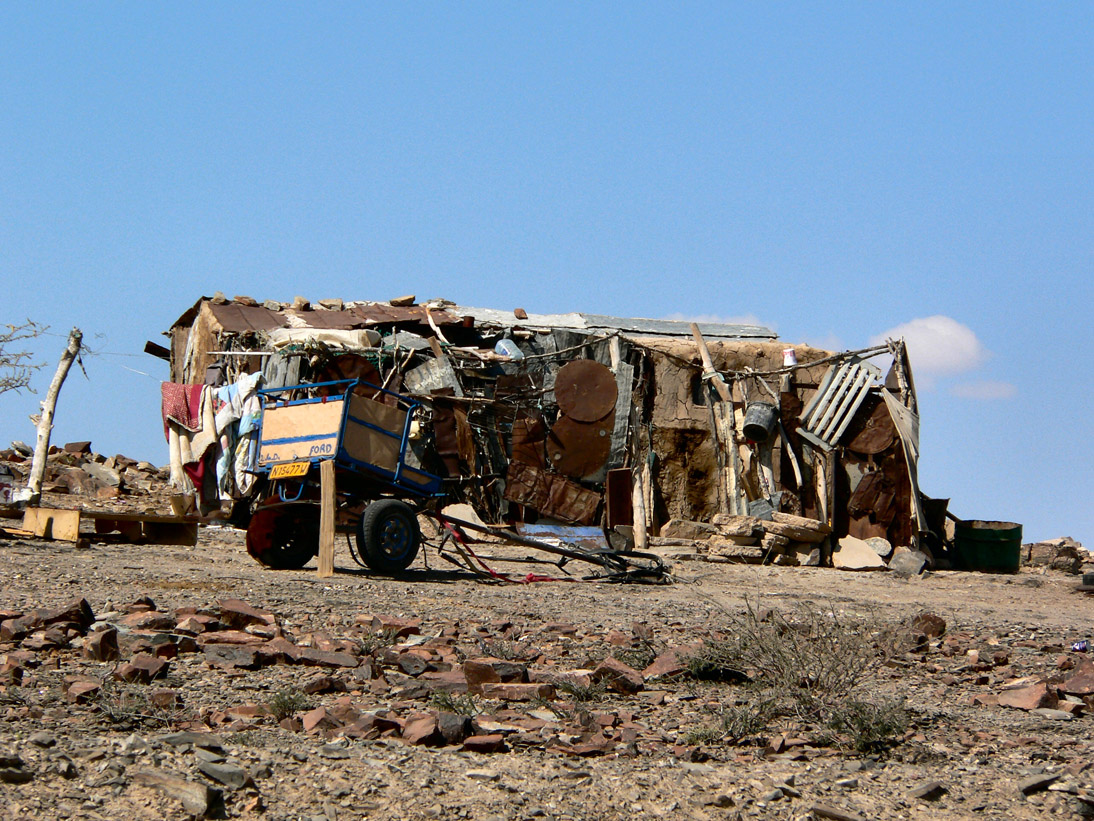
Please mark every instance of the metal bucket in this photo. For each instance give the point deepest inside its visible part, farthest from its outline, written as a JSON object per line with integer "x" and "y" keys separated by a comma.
{"x": 993, "y": 547}
{"x": 760, "y": 420}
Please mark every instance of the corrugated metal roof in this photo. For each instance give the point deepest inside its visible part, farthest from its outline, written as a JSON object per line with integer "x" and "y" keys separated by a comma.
{"x": 235, "y": 317}
{"x": 598, "y": 322}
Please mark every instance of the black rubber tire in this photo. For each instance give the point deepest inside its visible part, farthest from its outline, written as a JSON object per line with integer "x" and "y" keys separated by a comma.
{"x": 388, "y": 535}
{"x": 284, "y": 538}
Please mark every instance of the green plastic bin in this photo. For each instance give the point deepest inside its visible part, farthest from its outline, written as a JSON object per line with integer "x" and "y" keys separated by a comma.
{"x": 990, "y": 547}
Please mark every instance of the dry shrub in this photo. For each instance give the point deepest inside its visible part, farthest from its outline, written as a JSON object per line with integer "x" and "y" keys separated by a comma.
{"x": 287, "y": 703}
{"x": 809, "y": 664}
{"x": 131, "y": 705}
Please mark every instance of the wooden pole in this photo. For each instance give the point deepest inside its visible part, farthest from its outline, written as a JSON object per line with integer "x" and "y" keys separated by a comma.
{"x": 45, "y": 422}
{"x": 638, "y": 505}
{"x": 326, "y": 518}
{"x": 708, "y": 365}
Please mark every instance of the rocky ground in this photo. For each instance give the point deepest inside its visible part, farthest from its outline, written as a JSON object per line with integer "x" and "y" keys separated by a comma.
{"x": 167, "y": 682}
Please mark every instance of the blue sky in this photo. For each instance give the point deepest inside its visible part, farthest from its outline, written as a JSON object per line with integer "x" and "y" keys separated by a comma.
{"x": 835, "y": 171}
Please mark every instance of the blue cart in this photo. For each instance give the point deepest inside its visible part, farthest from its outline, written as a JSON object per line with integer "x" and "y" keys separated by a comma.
{"x": 367, "y": 432}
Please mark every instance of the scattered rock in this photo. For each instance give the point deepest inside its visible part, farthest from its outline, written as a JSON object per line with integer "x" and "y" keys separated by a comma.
{"x": 619, "y": 676}
{"x": 931, "y": 791}
{"x": 1037, "y": 782}
{"x": 907, "y": 563}
{"x": 197, "y": 799}
{"x": 231, "y": 776}
{"x": 1029, "y": 698}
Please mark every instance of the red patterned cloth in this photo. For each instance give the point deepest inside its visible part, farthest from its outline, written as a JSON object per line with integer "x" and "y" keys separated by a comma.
{"x": 181, "y": 404}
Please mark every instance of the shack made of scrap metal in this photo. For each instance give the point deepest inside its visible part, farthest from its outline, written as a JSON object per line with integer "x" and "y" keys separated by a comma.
{"x": 579, "y": 418}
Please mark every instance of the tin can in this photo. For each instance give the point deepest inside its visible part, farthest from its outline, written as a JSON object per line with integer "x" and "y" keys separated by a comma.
{"x": 790, "y": 357}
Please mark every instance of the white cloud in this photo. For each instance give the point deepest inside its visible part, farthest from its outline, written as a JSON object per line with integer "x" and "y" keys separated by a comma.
{"x": 938, "y": 346}
{"x": 744, "y": 319}
{"x": 985, "y": 389}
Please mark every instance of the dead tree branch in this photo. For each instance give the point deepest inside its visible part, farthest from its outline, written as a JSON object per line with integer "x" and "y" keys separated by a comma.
{"x": 16, "y": 367}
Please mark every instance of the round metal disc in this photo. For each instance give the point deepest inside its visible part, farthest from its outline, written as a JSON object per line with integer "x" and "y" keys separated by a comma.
{"x": 585, "y": 390}
{"x": 579, "y": 449}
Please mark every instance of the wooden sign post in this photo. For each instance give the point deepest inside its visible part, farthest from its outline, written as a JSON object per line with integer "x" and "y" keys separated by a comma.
{"x": 326, "y": 518}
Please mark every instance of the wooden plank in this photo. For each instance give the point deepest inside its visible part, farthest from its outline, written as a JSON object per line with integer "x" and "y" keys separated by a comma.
{"x": 370, "y": 446}
{"x": 326, "y": 519}
{"x": 320, "y": 419}
{"x": 49, "y": 523}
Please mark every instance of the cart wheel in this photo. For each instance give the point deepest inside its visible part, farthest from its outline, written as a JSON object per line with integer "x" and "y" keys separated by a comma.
{"x": 388, "y": 535}
{"x": 284, "y": 538}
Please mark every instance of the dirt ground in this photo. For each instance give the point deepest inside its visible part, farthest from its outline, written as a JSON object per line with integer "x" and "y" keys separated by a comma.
{"x": 619, "y": 754}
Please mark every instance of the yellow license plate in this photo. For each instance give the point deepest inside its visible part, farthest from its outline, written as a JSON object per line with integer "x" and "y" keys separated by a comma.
{"x": 289, "y": 470}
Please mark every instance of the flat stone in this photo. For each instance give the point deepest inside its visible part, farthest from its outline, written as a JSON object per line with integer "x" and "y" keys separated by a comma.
{"x": 42, "y": 739}
{"x": 1055, "y": 715}
{"x": 318, "y": 719}
{"x": 506, "y": 691}
{"x": 827, "y": 811}
{"x": 482, "y": 775}
{"x": 232, "y": 656}
{"x": 855, "y": 554}
{"x": 15, "y": 775}
{"x": 1081, "y": 681}
{"x": 480, "y": 671}
{"x": 487, "y": 743}
{"x": 208, "y": 741}
{"x": 1036, "y": 783}
{"x": 931, "y": 791}
{"x": 81, "y": 692}
{"x": 619, "y": 676}
{"x": 1029, "y": 698}
{"x": 421, "y": 729}
{"x": 229, "y": 775}
{"x": 324, "y": 658}
{"x": 148, "y": 620}
{"x": 667, "y": 663}
{"x": 237, "y": 614}
{"x": 77, "y": 612}
{"x": 229, "y": 637}
{"x": 200, "y": 800}
{"x": 142, "y": 669}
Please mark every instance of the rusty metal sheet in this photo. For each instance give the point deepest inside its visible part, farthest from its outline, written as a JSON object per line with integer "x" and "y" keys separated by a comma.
{"x": 236, "y": 318}
{"x": 328, "y": 320}
{"x": 585, "y": 390}
{"x": 551, "y": 495}
{"x": 579, "y": 449}
{"x": 529, "y": 435}
{"x": 873, "y": 430}
{"x": 377, "y": 313}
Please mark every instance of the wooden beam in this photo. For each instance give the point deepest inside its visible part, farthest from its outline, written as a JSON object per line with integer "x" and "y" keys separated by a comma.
{"x": 326, "y": 518}
{"x": 708, "y": 365}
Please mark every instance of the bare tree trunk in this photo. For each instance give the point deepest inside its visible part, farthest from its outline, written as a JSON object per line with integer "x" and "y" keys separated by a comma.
{"x": 45, "y": 423}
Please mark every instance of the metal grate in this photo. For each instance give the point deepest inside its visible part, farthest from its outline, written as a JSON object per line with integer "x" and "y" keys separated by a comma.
{"x": 841, "y": 392}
